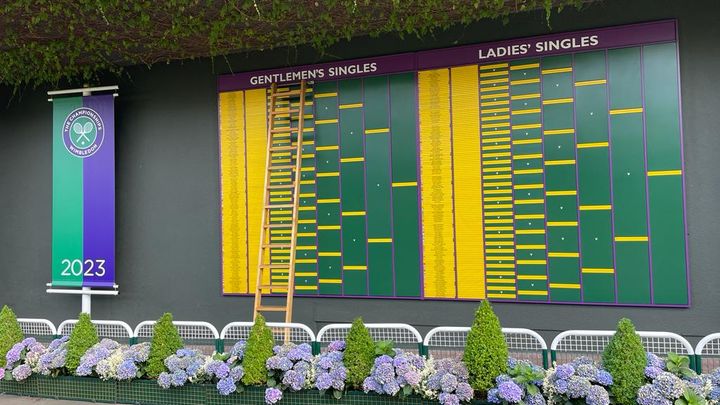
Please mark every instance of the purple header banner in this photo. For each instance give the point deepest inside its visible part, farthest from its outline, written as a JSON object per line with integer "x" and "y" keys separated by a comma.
{"x": 551, "y": 44}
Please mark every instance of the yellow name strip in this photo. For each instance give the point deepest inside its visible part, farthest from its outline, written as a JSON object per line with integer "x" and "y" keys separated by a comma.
{"x": 558, "y": 70}
{"x": 631, "y": 239}
{"x": 379, "y": 240}
{"x": 590, "y": 82}
{"x": 328, "y": 227}
{"x": 329, "y": 254}
{"x": 562, "y": 223}
{"x": 563, "y": 254}
{"x": 353, "y": 213}
{"x": 532, "y": 292}
{"x": 559, "y": 193}
{"x": 565, "y": 286}
{"x": 626, "y": 111}
{"x": 592, "y": 145}
{"x": 524, "y": 81}
{"x": 494, "y": 66}
{"x": 328, "y": 174}
{"x": 559, "y": 131}
{"x": 330, "y": 147}
{"x": 528, "y": 171}
{"x": 324, "y": 95}
{"x": 525, "y": 66}
{"x": 529, "y": 247}
{"x": 528, "y": 111}
{"x": 525, "y": 96}
{"x": 653, "y": 173}
{"x": 346, "y": 106}
{"x": 354, "y": 267}
{"x": 330, "y": 281}
{"x": 377, "y": 131}
{"x": 405, "y": 184}
{"x": 543, "y": 262}
{"x": 595, "y": 207}
{"x": 352, "y": 160}
{"x": 595, "y": 270}
{"x": 559, "y": 162}
{"x": 558, "y": 101}
{"x": 328, "y": 201}
{"x": 532, "y": 277}
{"x": 330, "y": 121}
{"x": 526, "y": 126}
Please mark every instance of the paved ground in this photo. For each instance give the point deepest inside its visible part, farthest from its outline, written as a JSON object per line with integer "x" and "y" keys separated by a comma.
{"x": 13, "y": 400}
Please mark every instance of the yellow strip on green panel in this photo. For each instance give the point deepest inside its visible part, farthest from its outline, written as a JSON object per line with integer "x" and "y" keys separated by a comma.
{"x": 256, "y": 139}
{"x": 436, "y": 183}
{"x": 234, "y": 220}
{"x": 468, "y": 180}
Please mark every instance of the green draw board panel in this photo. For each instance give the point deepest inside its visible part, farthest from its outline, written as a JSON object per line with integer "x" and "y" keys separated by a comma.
{"x": 555, "y": 175}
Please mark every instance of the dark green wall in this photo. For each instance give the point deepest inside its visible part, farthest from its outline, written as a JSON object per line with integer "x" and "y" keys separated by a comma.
{"x": 168, "y": 219}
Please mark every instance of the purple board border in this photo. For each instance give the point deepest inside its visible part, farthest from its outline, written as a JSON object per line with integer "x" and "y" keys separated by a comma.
{"x": 576, "y": 41}
{"x": 607, "y": 38}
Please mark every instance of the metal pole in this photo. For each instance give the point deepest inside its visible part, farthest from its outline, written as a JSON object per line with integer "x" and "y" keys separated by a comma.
{"x": 86, "y": 306}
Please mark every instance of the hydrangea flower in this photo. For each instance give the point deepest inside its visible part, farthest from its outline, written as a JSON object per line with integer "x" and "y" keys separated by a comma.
{"x": 389, "y": 375}
{"x": 510, "y": 392}
{"x": 447, "y": 381}
{"x": 581, "y": 380}
{"x": 52, "y": 360}
{"x": 184, "y": 366}
{"x": 273, "y": 396}
{"x": 291, "y": 366}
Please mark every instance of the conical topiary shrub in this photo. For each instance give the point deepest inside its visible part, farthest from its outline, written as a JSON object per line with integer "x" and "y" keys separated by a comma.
{"x": 624, "y": 358}
{"x": 83, "y": 337}
{"x": 258, "y": 349}
{"x": 166, "y": 341}
{"x": 10, "y": 332}
{"x": 486, "y": 352}
{"x": 359, "y": 354}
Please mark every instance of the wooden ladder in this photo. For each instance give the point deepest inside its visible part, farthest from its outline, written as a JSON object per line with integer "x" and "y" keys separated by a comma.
{"x": 281, "y": 197}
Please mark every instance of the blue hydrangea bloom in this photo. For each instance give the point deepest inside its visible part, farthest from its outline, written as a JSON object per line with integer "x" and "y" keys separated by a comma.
{"x": 510, "y": 392}
{"x": 273, "y": 396}
{"x": 226, "y": 386}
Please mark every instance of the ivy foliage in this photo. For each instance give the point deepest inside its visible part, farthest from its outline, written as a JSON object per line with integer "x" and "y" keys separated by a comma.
{"x": 83, "y": 337}
{"x": 625, "y": 359}
{"x": 10, "y": 332}
{"x": 166, "y": 341}
{"x": 259, "y": 348}
{"x": 46, "y": 41}
{"x": 486, "y": 353}
{"x": 360, "y": 353}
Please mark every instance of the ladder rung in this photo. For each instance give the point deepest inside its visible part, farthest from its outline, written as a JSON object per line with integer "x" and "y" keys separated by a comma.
{"x": 281, "y": 167}
{"x": 271, "y": 309}
{"x": 280, "y": 206}
{"x": 275, "y": 226}
{"x": 277, "y": 246}
{"x": 283, "y": 130}
{"x": 273, "y": 287}
{"x": 291, "y": 111}
{"x": 275, "y": 266}
{"x": 282, "y": 148}
{"x": 282, "y": 186}
{"x": 287, "y": 93}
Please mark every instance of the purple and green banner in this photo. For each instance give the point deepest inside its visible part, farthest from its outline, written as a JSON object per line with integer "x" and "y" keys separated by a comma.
{"x": 83, "y": 210}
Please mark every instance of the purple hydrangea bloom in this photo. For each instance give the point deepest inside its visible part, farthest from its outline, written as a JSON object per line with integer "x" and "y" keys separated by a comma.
{"x": 669, "y": 385}
{"x": 578, "y": 387}
{"x": 238, "y": 349}
{"x": 391, "y": 388}
{"x": 510, "y": 392}
{"x": 597, "y": 395}
{"x": 448, "y": 399}
{"x": 655, "y": 361}
{"x": 492, "y": 396}
{"x": 564, "y": 371}
{"x": 464, "y": 391}
{"x": 323, "y": 382}
{"x": 649, "y": 395}
{"x": 237, "y": 373}
{"x": 652, "y": 372}
{"x": 604, "y": 378}
{"x": 218, "y": 369}
{"x": 22, "y": 372}
{"x": 178, "y": 378}
{"x": 448, "y": 383}
{"x": 294, "y": 380}
{"x": 588, "y": 371}
{"x": 127, "y": 370}
{"x": 226, "y": 386}
{"x": 13, "y": 355}
{"x": 502, "y": 378}
{"x": 370, "y": 385}
{"x": 561, "y": 386}
{"x": 336, "y": 346}
{"x": 536, "y": 399}
{"x": 165, "y": 380}
{"x": 272, "y": 396}
{"x": 713, "y": 396}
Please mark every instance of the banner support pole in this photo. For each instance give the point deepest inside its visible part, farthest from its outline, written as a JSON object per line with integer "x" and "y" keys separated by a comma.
{"x": 86, "y": 303}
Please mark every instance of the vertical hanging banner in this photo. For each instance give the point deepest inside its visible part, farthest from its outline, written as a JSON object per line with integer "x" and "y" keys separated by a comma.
{"x": 83, "y": 210}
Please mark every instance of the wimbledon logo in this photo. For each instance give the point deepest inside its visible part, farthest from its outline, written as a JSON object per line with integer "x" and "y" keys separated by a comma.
{"x": 83, "y": 132}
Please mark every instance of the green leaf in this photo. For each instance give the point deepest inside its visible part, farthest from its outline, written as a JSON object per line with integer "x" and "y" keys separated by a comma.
{"x": 337, "y": 394}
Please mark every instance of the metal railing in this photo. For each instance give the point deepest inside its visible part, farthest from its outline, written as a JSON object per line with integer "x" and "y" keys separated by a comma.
{"x": 444, "y": 341}
{"x": 402, "y": 335}
{"x": 450, "y": 341}
{"x": 105, "y": 329}
{"x": 591, "y": 343}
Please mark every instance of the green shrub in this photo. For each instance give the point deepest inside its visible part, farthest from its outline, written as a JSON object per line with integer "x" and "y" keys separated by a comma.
{"x": 486, "y": 352}
{"x": 259, "y": 348}
{"x": 10, "y": 332}
{"x": 166, "y": 341}
{"x": 624, "y": 358}
{"x": 359, "y": 354}
{"x": 83, "y": 337}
